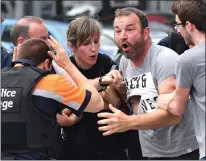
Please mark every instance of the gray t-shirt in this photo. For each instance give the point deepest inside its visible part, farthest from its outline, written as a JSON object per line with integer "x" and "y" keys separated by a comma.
{"x": 190, "y": 72}
{"x": 170, "y": 141}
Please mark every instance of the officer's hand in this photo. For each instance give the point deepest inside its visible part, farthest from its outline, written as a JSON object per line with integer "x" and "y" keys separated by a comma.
{"x": 66, "y": 111}
{"x": 60, "y": 56}
{"x": 67, "y": 118}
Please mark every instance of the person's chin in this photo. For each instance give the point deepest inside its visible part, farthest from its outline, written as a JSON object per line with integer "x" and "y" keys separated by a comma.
{"x": 128, "y": 55}
{"x": 187, "y": 43}
{"x": 92, "y": 62}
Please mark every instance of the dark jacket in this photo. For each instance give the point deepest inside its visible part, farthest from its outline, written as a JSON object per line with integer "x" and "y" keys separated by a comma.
{"x": 175, "y": 42}
{"x": 6, "y": 58}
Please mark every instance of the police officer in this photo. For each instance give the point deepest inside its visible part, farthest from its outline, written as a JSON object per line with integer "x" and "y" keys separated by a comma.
{"x": 32, "y": 96}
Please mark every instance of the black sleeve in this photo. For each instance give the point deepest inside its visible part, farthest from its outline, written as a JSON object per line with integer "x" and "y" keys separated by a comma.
{"x": 164, "y": 42}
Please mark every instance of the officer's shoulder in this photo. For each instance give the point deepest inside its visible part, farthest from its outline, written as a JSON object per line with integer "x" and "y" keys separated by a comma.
{"x": 53, "y": 78}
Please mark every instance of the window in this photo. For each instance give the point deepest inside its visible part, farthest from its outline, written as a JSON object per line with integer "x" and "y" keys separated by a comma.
{"x": 6, "y": 34}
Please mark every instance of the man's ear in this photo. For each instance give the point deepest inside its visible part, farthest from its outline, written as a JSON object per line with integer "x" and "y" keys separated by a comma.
{"x": 189, "y": 26}
{"x": 47, "y": 64}
{"x": 146, "y": 33}
{"x": 20, "y": 40}
{"x": 71, "y": 46}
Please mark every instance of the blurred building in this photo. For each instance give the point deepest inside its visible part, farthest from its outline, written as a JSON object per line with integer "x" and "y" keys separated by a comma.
{"x": 17, "y": 9}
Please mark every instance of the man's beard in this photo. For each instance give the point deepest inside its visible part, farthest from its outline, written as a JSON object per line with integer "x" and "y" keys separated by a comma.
{"x": 137, "y": 47}
{"x": 188, "y": 39}
{"x": 133, "y": 55}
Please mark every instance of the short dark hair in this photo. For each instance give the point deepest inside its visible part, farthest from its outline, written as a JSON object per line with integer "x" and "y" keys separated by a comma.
{"x": 81, "y": 28}
{"x": 129, "y": 10}
{"x": 34, "y": 49}
{"x": 17, "y": 31}
{"x": 192, "y": 11}
{"x": 21, "y": 28}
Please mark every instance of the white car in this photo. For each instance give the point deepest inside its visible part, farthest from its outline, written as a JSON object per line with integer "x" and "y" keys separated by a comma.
{"x": 80, "y": 9}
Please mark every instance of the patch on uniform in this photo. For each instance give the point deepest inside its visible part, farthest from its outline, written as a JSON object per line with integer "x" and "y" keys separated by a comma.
{"x": 10, "y": 99}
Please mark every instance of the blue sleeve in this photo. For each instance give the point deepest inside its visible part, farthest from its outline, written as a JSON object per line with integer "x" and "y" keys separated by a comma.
{"x": 6, "y": 59}
{"x": 164, "y": 42}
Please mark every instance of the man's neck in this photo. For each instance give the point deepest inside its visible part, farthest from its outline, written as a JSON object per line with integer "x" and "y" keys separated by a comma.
{"x": 136, "y": 62}
{"x": 18, "y": 65}
{"x": 198, "y": 38}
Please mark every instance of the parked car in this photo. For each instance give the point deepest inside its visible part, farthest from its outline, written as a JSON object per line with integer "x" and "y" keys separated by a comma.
{"x": 160, "y": 27}
{"x": 163, "y": 17}
{"x": 157, "y": 29}
{"x": 83, "y": 9}
{"x": 108, "y": 45}
{"x": 58, "y": 30}
{"x": 157, "y": 32}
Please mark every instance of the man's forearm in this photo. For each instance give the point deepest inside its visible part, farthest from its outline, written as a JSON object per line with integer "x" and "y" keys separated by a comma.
{"x": 173, "y": 108}
{"x": 153, "y": 120}
{"x": 67, "y": 75}
{"x": 76, "y": 75}
{"x": 175, "y": 102}
{"x": 82, "y": 81}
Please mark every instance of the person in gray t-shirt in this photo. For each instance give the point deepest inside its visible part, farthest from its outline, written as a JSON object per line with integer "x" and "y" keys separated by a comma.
{"x": 190, "y": 68}
{"x": 148, "y": 70}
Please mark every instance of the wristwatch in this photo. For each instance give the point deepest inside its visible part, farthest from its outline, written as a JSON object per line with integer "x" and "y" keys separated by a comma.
{"x": 104, "y": 86}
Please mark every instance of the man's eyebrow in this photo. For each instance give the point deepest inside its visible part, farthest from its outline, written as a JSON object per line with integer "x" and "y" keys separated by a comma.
{"x": 128, "y": 25}
{"x": 131, "y": 24}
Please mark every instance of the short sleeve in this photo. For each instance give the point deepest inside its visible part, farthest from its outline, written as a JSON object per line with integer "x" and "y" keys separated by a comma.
{"x": 184, "y": 71}
{"x": 57, "y": 68}
{"x": 165, "y": 64}
{"x": 60, "y": 71}
{"x": 57, "y": 88}
{"x": 122, "y": 65}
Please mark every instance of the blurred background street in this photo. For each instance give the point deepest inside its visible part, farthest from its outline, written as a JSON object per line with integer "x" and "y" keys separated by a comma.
{"x": 59, "y": 13}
